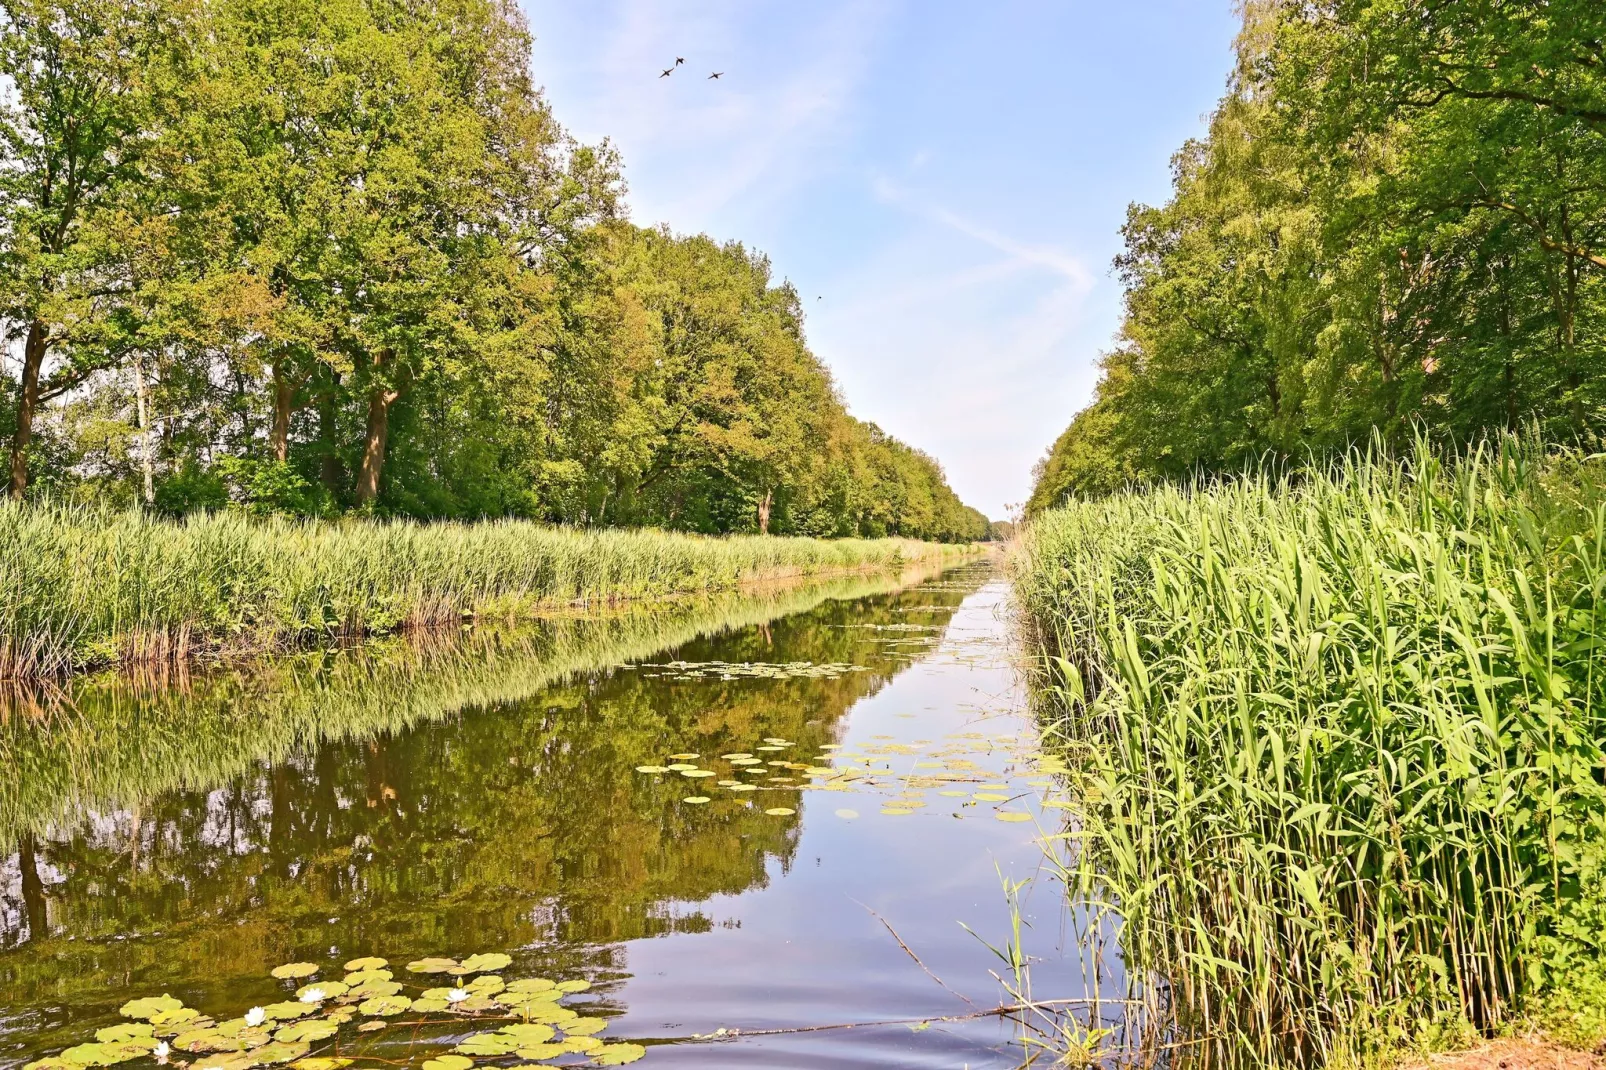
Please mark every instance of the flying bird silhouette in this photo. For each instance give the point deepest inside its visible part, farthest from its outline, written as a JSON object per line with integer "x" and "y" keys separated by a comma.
{"x": 667, "y": 73}
{"x": 679, "y": 60}
{"x": 716, "y": 74}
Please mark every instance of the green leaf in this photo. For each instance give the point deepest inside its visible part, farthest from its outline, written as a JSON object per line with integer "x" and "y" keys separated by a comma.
{"x": 488, "y": 963}
{"x": 431, "y": 965}
{"x": 617, "y": 1054}
{"x": 149, "y": 1006}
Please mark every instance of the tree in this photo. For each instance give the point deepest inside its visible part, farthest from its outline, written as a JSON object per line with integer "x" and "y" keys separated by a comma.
{"x": 71, "y": 131}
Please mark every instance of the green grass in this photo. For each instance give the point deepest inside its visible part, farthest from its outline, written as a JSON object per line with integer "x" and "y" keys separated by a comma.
{"x": 1338, "y": 742}
{"x": 84, "y": 588}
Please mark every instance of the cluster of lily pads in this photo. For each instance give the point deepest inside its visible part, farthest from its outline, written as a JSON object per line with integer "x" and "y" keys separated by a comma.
{"x": 731, "y": 670}
{"x": 949, "y": 768}
{"x": 303, "y": 1032}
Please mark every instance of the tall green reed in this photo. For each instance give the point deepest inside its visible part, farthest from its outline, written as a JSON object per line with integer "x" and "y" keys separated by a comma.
{"x": 83, "y": 587}
{"x": 1337, "y": 737}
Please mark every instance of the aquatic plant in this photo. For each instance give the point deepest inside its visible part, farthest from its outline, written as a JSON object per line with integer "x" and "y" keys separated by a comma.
{"x": 1336, "y": 741}
{"x": 85, "y": 587}
{"x": 310, "y": 1031}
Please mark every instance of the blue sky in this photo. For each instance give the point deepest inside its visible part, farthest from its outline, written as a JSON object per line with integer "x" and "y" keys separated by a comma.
{"x": 943, "y": 181}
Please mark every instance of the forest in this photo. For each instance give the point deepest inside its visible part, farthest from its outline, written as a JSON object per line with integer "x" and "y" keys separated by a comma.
{"x": 1396, "y": 224}
{"x": 311, "y": 258}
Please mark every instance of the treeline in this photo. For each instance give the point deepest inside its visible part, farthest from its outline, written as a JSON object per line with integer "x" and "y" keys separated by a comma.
{"x": 309, "y": 257}
{"x": 1396, "y": 222}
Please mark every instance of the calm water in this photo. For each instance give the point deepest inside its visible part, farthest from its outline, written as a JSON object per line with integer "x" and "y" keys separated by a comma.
{"x": 188, "y": 835}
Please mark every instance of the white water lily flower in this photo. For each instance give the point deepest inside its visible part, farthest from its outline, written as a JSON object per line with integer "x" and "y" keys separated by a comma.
{"x": 456, "y": 995}
{"x": 313, "y": 995}
{"x": 161, "y": 1051}
{"x": 255, "y": 1017}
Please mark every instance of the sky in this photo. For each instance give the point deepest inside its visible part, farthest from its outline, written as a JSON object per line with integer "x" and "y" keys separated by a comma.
{"x": 944, "y": 181}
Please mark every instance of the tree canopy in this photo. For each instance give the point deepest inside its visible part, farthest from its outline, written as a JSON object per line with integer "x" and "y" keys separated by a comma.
{"x": 314, "y": 257}
{"x": 1396, "y": 222}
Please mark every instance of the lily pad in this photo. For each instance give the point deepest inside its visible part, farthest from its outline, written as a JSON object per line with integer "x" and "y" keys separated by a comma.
{"x": 736, "y": 756}
{"x": 431, "y": 965}
{"x": 117, "y": 1034}
{"x": 576, "y": 985}
{"x": 744, "y": 787}
{"x": 955, "y": 794}
{"x": 205, "y": 1040}
{"x": 310, "y": 1031}
{"x": 287, "y": 1010}
{"x": 896, "y": 811}
{"x": 430, "y": 1006}
{"x": 292, "y": 970}
{"x": 488, "y": 1045}
{"x": 581, "y": 1045}
{"x": 478, "y": 1003}
{"x": 321, "y": 1063}
{"x": 652, "y": 769}
{"x": 487, "y": 984}
{"x": 168, "y": 1022}
{"x": 362, "y": 977}
{"x": 780, "y": 811}
{"x": 529, "y": 1032}
{"x": 694, "y": 773}
{"x": 370, "y": 962}
{"x": 584, "y": 1027}
{"x": 103, "y": 1054}
{"x": 545, "y": 1011}
{"x": 149, "y": 1006}
{"x": 537, "y": 1052}
{"x": 617, "y": 1054}
{"x": 1012, "y": 815}
{"x": 846, "y": 814}
{"x": 370, "y": 989}
{"x": 530, "y": 984}
{"x": 696, "y": 800}
{"x": 321, "y": 990}
{"x": 487, "y": 963}
{"x": 385, "y": 1006}
{"x": 371, "y": 1027}
{"x": 448, "y": 1062}
{"x": 276, "y": 1053}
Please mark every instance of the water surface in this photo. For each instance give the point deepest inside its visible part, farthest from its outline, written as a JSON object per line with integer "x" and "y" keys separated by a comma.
{"x": 188, "y": 835}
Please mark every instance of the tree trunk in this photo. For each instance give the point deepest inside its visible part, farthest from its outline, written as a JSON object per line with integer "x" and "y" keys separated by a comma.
{"x": 380, "y": 398}
{"x": 283, "y": 394}
{"x": 33, "y": 889}
{"x": 329, "y": 461}
{"x": 33, "y": 358}
{"x": 146, "y": 449}
{"x": 764, "y": 504}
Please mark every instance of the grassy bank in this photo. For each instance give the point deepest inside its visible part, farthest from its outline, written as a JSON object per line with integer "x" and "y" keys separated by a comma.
{"x": 1338, "y": 740}
{"x": 85, "y": 588}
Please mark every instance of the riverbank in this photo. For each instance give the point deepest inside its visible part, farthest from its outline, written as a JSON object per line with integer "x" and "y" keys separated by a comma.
{"x": 87, "y": 588}
{"x": 1336, "y": 743}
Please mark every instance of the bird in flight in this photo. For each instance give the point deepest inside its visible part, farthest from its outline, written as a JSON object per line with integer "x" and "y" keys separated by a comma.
{"x": 667, "y": 73}
{"x": 679, "y": 60}
{"x": 716, "y": 74}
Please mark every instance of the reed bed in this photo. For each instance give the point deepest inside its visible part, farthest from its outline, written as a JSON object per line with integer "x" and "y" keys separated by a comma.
{"x": 1337, "y": 738}
{"x": 81, "y": 588}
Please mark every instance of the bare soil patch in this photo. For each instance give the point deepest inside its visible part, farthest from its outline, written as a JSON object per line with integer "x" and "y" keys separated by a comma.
{"x": 1524, "y": 1054}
